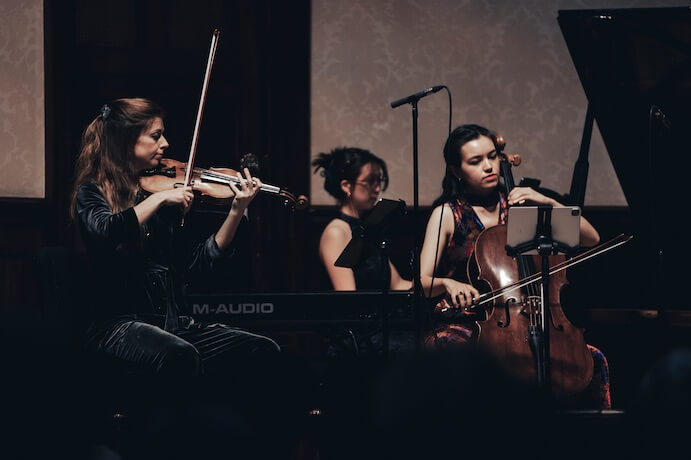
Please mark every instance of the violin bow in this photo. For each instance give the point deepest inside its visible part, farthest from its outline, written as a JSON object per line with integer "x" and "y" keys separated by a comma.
{"x": 200, "y": 110}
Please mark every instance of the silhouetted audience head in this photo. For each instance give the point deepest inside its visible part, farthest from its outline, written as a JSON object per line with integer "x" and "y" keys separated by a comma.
{"x": 432, "y": 403}
{"x": 661, "y": 414}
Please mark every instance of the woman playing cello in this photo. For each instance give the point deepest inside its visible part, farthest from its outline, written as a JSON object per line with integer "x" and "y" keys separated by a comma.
{"x": 471, "y": 201}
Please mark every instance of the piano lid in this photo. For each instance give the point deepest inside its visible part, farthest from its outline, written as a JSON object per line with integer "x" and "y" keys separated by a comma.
{"x": 627, "y": 61}
{"x": 635, "y": 68}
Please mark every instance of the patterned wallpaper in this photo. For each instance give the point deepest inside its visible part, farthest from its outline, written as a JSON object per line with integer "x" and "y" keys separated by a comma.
{"x": 22, "y": 139}
{"x": 505, "y": 62}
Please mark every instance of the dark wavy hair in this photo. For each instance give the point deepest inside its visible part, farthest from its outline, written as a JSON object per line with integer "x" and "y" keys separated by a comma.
{"x": 451, "y": 186}
{"x": 345, "y": 163}
{"x": 107, "y": 150}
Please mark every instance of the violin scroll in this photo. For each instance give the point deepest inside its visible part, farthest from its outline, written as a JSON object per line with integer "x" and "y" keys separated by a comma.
{"x": 296, "y": 203}
{"x": 301, "y": 202}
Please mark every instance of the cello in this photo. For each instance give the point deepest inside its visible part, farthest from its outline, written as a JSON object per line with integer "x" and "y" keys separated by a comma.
{"x": 513, "y": 323}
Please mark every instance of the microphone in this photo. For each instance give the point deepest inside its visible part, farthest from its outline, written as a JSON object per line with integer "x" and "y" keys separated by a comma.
{"x": 415, "y": 97}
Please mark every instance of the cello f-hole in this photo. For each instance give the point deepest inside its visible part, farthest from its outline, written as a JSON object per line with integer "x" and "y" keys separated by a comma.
{"x": 507, "y": 313}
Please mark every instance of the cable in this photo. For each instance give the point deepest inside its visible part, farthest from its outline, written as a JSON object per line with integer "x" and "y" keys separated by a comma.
{"x": 441, "y": 217}
{"x": 428, "y": 298}
{"x": 436, "y": 253}
{"x": 448, "y": 91}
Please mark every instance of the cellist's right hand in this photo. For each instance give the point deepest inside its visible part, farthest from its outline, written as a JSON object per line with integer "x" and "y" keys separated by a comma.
{"x": 461, "y": 294}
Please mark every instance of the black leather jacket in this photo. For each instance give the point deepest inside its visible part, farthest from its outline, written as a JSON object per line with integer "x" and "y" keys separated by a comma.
{"x": 138, "y": 270}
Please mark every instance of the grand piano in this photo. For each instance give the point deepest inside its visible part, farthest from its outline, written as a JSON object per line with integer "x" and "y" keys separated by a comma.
{"x": 635, "y": 68}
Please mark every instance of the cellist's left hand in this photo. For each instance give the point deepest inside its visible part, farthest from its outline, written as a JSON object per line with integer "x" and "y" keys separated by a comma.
{"x": 527, "y": 195}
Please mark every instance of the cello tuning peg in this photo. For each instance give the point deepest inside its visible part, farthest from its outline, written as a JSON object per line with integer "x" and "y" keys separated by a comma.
{"x": 514, "y": 159}
{"x": 501, "y": 143}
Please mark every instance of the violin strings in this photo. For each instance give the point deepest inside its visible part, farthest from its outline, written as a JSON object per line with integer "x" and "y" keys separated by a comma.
{"x": 227, "y": 178}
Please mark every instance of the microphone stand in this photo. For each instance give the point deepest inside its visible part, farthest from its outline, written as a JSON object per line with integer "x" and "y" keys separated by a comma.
{"x": 417, "y": 287}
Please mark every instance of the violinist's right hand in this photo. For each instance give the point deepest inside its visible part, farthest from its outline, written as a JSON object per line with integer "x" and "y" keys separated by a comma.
{"x": 182, "y": 197}
{"x": 461, "y": 294}
{"x": 176, "y": 196}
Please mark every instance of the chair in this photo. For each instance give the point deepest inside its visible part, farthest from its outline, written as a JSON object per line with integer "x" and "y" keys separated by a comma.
{"x": 64, "y": 297}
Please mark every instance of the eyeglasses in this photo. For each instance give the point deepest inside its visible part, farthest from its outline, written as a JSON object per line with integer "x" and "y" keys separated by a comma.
{"x": 373, "y": 182}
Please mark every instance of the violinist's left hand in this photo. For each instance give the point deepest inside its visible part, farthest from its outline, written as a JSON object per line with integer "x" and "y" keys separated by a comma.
{"x": 523, "y": 195}
{"x": 245, "y": 192}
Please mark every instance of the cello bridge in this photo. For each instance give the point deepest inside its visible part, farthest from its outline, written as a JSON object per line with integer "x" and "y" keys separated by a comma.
{"x": 531, "y": 305}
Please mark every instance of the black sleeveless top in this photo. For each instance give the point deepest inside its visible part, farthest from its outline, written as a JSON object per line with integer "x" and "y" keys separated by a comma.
{"x": 372, "y": 271}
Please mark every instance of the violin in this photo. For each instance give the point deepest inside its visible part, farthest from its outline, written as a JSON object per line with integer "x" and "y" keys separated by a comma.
{"x": 213, "y": 184}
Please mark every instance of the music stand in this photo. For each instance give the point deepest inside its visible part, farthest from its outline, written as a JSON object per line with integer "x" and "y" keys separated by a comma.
{"x": 542, "y": 230}
{"x": 374, "y": 232}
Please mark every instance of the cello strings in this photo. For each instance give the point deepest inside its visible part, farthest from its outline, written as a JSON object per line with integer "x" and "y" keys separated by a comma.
{"x": 613, "y": 243}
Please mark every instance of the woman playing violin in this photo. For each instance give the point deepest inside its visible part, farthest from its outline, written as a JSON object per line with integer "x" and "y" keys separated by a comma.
{"x": 471, "y": 201}
{"x": 140, "y": 253}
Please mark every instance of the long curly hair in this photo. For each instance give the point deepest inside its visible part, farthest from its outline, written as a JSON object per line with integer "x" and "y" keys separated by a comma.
{"x": 107, "y": 157}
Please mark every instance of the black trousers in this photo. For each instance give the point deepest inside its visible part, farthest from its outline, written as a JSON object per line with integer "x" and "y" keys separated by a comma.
{"x": 141, "y": 344}
{"x": 202, "y": 391}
